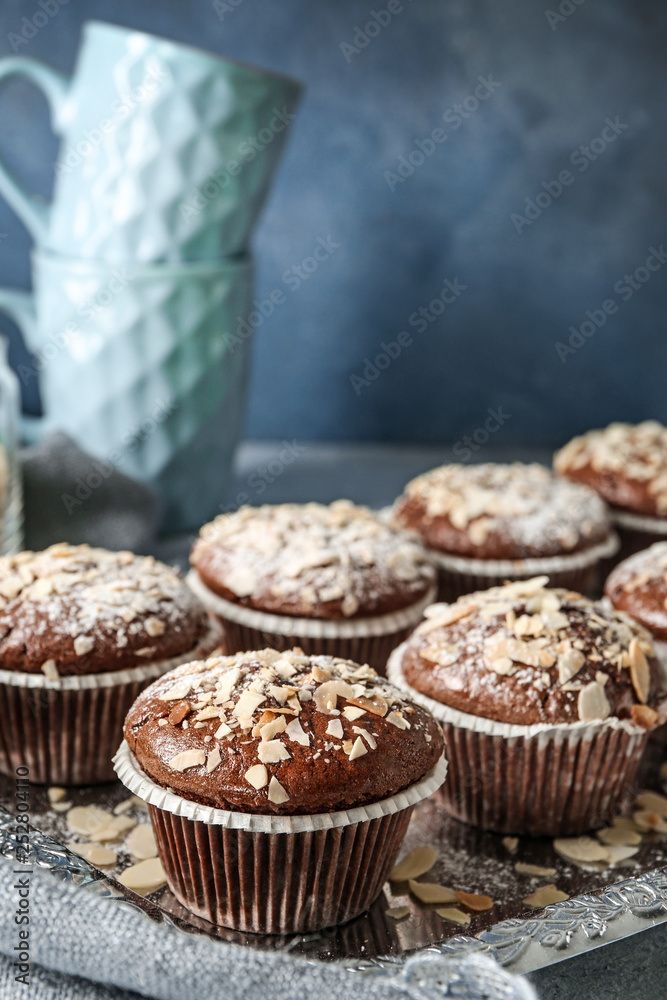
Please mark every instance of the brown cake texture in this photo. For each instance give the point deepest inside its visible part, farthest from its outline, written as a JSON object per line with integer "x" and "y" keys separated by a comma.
{"x": 74, "y": 610}
{"x": 280, "y": 732}
{"x": 338, "y": 562}
{"x": 625, "y": 464}
{"x": 495, "y": 511}
{"x": 526, "y": 654}
{"x": 638, "y": 587}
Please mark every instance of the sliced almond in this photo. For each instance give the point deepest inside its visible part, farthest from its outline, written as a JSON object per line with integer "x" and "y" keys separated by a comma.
{"x": 580, "y": 850}
{"x": 620, "y": 852}
{"x": 277, "y": 793}
{"x": 352, "y": 712}
{"x": 473, "y": 901}
{"x": 271, "y": 728}
{"x": 335, "y": 729}
{"x": 115, "y": 828}
{"x": 326, "y": 695}
{"x": 144, "y": 877}
{"x": 416, "y": 863}
{"x": 546, "y": 895}
{"x": 441, "y": 615}
{"x": 431, "y": 892}
{"x": 570, "y": 663}
{"x": 294, "y": 732}
{"x": 186, "y": 759}
{"x": 178, "y": 712}
{"x": 644, "y": 716}
{"x": 375, "y": 704}
{"x": 55, "y": 794}
{"x": 272, "y": 751}
{"x": 525, "y": 869}
{"x": 639, "y": 671}
{"x": 359, "y": 748}
{"x": 248, "y": 702}
{"x": 141, "y": 842}
{"x": 179, "y": 691}
{"x": 592, "y": 704}
{"x": 213, "y": 759}
{"x": 86, "y": 819}
{"x": 398, "y": 912}
{"x": 653, "y": 802}
{"x": 648, "y": 821}
{"x": 93, "y": 853}
{"x": 618, "y": 836}
{"x": 398, "y": 720}
{"x": 511, "y": 844}
{"x": 453, "y": 915}
{"x": 257, "y": 776}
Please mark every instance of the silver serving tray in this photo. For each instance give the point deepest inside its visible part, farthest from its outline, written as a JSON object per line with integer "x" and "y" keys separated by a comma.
{"x": 603, "y": 906}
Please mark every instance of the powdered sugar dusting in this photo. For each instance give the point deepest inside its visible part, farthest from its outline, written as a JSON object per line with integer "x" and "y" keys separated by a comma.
{"x": 637, "y": 452}
{"x": 527, "y": 504}
{"x": 87, "y": 595}
{"x": 312, "y": 555}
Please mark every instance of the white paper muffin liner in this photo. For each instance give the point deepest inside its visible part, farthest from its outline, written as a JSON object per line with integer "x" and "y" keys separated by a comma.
{"x": 276, "y": 874}
{"x": 640, "y": 522}
{"x": 363, "y": 640}
{"x": 138, "y": 782}
{"x": 459, "y": 575}
{"x": 66, "y": 730}
{"x": 541, "y": 779}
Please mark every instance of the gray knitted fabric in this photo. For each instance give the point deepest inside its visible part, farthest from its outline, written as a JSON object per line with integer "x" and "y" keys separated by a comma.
{"x": 85, "y": 946}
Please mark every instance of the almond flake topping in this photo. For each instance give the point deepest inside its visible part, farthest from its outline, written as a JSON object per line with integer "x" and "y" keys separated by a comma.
{"x": 570, "y": 663}
{"x": 294, "y": 731}
{"x": 272, "y": 751}
{"x": 187, "y": 758}
{"x": 352, "y": 712}
{"x": 359, "y": 749}
{"x": 639, "y": 671}
{"x": 335, "y": 729}
{"x": 370, "y": 739}
{"x": 277, "y": 793}
{"x": 50, "y": 670}
{"x": 257, "y": 776}
{"x": 592, "y": 704}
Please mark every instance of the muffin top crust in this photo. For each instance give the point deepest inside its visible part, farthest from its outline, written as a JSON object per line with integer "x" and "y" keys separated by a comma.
{"x": 494, "y": 511}
{"x": 270, "y": 732}
{"x": 312, "y": 560}
{"x": 525, "y": 654}
{"x": 625, "y": 463}
{"x": 73, "y": 609}
{"x": 638, "y": 586}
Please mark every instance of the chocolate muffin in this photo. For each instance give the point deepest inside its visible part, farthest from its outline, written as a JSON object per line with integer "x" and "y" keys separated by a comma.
{"x": 488, "y": 523}
{"x": 334, "y": 580}
{"x": 638, "y": 588}
{"x": 541, "y": 689}
{"x": 626, "y": 465}
{"x": 82, "y": 631}
{"x": 294, "y": 764}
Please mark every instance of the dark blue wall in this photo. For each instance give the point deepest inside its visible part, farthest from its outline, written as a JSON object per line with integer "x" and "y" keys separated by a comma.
{"x": 494, "y": 345}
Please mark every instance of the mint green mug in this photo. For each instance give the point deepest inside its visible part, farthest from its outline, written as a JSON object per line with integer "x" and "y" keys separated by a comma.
{"x": 167, "y": 152}
{"x": 138, "y": 364}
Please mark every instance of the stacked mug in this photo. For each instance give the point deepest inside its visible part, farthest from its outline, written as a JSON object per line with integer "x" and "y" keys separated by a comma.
{"x": 141, "y": 270}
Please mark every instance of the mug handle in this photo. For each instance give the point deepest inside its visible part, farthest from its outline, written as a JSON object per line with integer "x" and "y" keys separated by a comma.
{"x": 30, "y": 209}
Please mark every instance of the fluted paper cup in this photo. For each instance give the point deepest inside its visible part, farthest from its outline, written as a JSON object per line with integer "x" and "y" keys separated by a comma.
{"x": 66, "y": 730}
{"x": 459, "y": 575}
{"x": 273, "y": 874}
{"x": 363, "y": 640}
{"x": 552, "y": 780}
{"x": 636, "y": 532}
